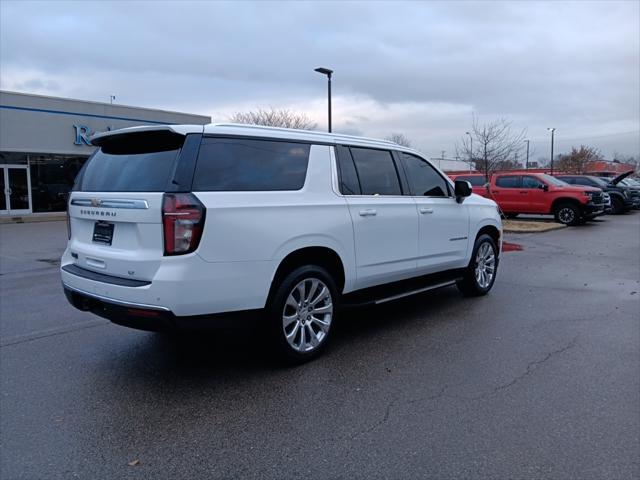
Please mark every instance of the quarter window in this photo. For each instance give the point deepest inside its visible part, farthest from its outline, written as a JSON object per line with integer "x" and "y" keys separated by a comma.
{"x": 508, "y": 181}
{"x": 376, "y": 171}
{"x": 234, "y": 164}
{"x": 424, "y": 180}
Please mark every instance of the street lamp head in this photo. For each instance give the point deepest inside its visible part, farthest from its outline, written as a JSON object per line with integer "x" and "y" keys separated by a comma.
{"x": 551, "y": 129}
{"x": 467, "y": 133}
{"x": 324, "y": 71}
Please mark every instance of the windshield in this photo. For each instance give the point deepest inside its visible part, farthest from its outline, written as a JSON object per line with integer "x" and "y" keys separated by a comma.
{"x": 599, "y": 181}
{"x": 553, "y": 180}
{"x": 630, "y": 182}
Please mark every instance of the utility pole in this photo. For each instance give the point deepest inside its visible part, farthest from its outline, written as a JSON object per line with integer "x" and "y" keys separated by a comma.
{"x": 328, "y": 72}
{"x": 527, "y": 164}
{"x": 552, "y": 130}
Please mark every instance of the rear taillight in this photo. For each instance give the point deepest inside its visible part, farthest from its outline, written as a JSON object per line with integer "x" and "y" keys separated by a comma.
{"x": 182, "y": 222}
{"x": 68, "y": 219}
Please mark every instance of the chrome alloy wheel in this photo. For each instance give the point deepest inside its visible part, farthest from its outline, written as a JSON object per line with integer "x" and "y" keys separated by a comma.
{"x": 307, "y": 315}
{"x": 485, "y": 265}
{"x": 566, "y": 215}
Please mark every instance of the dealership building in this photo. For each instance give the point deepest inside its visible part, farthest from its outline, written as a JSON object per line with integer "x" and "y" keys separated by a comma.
{"x": 45, "y": 140}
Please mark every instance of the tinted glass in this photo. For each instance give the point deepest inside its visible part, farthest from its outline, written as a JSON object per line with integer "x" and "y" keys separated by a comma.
{"x": 570, "y": 180}
{"x": 376, "y": 171}
{"x": 475, "y": 180}
{"x": 508, "y": 181}
{"x": 234, "y": 164}
{"x": 348, "y": 178}
{"x": 139, "y": 172}
{"x": 552, "y": 180}
{"x": 531, "y": 182}
{"x": 423, "y": 178}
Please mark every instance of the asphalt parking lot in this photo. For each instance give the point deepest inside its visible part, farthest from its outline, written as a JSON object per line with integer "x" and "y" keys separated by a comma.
{"x": 540, "y": 379}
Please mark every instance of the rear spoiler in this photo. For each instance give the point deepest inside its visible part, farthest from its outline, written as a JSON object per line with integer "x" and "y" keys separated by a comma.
{"x": 99, "y": 139}
{"x": 144, "y": 139}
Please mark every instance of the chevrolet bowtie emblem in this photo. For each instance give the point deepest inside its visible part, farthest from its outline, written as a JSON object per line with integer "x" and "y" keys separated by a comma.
{"x": 95, "y": 202}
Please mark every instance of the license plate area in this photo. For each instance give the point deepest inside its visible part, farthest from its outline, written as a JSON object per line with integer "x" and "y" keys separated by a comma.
{"x": 103, "y": 233}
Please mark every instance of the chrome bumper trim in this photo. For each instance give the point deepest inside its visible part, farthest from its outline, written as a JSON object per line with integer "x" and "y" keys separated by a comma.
{"x": 116, "y": 302}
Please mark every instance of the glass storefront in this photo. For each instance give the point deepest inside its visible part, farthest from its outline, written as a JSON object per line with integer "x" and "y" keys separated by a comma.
{"x": 49, "y": 180}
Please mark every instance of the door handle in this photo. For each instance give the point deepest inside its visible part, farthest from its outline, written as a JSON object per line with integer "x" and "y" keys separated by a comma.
{"x": 426, "y": 210}
{"x": 524, "y": 193}
{"x": 369, "y": 212}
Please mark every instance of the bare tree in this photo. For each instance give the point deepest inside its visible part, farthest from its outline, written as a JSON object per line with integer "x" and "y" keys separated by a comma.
{"x": 495, "y": 146}
{"x": 400, "y": 139}
{"x": 578, "y": 159}
{"x": 274, "y": 118}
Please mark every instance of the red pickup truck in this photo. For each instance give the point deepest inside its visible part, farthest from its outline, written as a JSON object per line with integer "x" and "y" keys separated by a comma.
{"x": 538, "y": 193}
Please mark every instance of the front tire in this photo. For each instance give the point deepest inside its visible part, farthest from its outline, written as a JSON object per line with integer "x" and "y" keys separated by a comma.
{"x": 480, "y": 275}
{"x": 567, "y": 214}
{"x": 301, "y": 313}
{"x": 617, "y": 206}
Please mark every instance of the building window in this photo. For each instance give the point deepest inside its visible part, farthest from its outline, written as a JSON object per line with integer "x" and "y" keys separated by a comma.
{"x": 52, "y": 177}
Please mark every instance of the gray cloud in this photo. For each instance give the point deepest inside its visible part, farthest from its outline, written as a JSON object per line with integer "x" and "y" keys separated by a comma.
{"x": 419, "y": 68}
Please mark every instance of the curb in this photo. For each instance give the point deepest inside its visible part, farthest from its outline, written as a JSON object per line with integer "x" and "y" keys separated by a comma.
{"x": 523, "y": 226}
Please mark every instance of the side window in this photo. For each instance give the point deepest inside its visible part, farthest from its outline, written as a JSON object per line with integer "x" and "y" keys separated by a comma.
{"x": 235, "y": 164}
{"x": 531, "y": 182}
{"x": 424, "y": 180}
{"x": 569, "y": 180}
{"x": 348, "y": 183}
{"x": 508, "y": 181}
{"x": 376, "y": 171}
{"x": 474, "y": 180}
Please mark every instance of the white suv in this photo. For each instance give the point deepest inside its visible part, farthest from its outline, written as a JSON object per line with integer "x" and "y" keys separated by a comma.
{"x": 175, "y": 226}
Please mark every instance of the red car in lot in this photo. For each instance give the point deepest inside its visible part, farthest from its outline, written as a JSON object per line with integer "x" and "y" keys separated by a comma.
{"x": 518, "y": 192}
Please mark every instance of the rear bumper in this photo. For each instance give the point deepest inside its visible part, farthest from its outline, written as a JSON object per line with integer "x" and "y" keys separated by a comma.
{"x": 152, "y": 318}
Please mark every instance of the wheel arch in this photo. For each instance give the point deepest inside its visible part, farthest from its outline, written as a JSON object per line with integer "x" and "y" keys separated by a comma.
{"x": 562, "y": 200}
{"x": 321, "y": 255}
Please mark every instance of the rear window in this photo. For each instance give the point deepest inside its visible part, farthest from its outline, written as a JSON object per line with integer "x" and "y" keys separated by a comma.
{"x": 475, "y": 180}
{"x": 139, "y": 172}
{"x": 131, "y": 162}
{"x": 235, "y": 164}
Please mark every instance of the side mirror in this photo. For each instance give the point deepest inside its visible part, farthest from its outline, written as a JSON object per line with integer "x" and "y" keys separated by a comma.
{"x": 545, "y": 188}
{"x": 462, "y": 190}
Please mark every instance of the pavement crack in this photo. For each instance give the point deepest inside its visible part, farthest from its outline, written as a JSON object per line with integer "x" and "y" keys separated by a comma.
{"x": 532, "y": 366}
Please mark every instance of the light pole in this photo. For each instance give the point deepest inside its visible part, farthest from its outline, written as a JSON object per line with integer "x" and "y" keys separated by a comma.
{"x": 112, "y": 98}
{"x": 527, "y": 164}
{"x": 470, "y": 148}
{"x": 327, "y": 72}
{"x": 552, "y": 130}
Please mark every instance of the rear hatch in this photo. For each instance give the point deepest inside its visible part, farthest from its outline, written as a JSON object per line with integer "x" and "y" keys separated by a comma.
{"x": 115, "y": 208}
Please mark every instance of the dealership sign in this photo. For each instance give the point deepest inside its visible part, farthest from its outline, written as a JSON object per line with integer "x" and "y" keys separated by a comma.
{"x": 83, "y": 134}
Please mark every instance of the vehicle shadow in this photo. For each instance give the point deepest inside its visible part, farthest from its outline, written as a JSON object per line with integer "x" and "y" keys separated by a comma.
{"x": 243, "y": 349}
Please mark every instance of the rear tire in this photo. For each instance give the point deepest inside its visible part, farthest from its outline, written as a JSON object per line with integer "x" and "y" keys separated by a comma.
{"x": 567, "y": 214}
{"x": 481, "y": 272}
{"x": 301, "y": 313}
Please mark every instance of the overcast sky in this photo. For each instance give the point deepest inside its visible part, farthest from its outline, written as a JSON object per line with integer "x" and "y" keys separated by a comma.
{"x": 419, "y": 68}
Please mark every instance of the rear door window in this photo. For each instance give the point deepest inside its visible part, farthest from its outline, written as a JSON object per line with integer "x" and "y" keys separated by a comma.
{"x": 376, "y": 171}
{"x": 239, "y": 164}
{"x": 508, "y": 181}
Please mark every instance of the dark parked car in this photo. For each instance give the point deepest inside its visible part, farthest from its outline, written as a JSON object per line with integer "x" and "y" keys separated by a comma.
{"x": 621, "y": 196}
